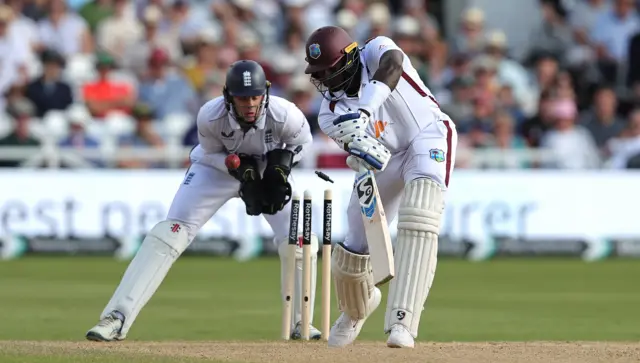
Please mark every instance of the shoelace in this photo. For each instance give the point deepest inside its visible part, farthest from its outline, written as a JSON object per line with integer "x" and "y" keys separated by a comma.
{"x": 108, "y": 321}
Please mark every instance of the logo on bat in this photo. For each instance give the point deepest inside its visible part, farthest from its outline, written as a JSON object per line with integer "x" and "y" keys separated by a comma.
{"x": 364, "y": 188}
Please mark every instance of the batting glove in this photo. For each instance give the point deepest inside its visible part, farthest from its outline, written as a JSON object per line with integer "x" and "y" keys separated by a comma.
{"x": 349, "y": 126}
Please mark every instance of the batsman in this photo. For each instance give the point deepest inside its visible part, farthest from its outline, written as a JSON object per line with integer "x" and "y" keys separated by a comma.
{"x": 249, "y": 142}
{"x": 376, "y": 107}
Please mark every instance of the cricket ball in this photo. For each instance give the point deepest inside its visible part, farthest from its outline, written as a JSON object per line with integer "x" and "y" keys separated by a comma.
{"x": 232, "y": 162}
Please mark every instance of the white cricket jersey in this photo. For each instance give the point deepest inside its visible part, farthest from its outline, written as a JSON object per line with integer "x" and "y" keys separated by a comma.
{"x": 408, "y": 110}
{"x": 283, "y": 125}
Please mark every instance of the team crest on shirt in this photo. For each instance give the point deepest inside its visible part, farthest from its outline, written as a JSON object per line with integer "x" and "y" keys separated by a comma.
{"x": 314, "y": 51}
{"x": 437, "y": 155}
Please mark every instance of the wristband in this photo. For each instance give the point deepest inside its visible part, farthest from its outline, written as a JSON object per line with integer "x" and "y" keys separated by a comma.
{"x": 374, "y": 95}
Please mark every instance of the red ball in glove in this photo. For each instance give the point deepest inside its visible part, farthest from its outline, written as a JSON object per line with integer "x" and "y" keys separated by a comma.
{"x": 232, "y": 162}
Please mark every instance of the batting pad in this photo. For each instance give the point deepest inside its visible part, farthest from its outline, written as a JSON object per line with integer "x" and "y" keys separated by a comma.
{"x": 159, "y": 250}
{"x": 353, "y": 279}
{"x": 297, "y": 292}
{"x": 416, "y": 253}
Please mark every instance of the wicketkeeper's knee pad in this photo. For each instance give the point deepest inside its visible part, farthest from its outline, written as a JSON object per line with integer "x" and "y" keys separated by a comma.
{"x": 415, "y": 254}
{"x": 171, "y": 233}
{"x": 353, "y": 279}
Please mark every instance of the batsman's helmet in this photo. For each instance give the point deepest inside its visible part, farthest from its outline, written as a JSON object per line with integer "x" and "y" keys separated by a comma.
{"x": 333, "y": 58}
{"x": 246, "y": 78}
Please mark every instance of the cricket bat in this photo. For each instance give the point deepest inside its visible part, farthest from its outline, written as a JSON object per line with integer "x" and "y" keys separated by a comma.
{"x": 375, "y": 227}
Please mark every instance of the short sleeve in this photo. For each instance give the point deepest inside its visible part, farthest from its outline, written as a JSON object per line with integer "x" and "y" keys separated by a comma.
{"x": 374, "y": 49}
{"x": 208, "y": 140}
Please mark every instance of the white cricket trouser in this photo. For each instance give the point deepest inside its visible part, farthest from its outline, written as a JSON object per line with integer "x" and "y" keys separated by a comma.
{"x": 207, "y": 190}
{"x": 431, "y": 155}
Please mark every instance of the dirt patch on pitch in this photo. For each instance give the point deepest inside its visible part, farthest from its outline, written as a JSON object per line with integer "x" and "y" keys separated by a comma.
{"x": 370, "y": 352}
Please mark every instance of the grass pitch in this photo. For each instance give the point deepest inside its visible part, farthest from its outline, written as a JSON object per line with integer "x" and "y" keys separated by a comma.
{"x": 211, "y": 309}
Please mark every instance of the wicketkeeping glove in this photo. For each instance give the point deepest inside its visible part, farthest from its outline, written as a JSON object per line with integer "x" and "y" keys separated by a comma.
{"x": 276, "y": 187}
{"x": 250, "y": 184}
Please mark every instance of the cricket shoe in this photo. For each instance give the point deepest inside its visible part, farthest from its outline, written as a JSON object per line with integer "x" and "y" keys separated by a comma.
{"x": 108, "y": 329}
{"x": 399, "y": 337}
{"x": 314, "y": 334}
{"x": 346, "y": 330}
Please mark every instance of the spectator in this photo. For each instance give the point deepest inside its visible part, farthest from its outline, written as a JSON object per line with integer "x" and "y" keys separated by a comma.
{"x": 136, "y": 56}
{"x": 471, "y": 35}
{"x": 186, "y": 24}
{"x": 78, "y": 139}
{"x": 509, "y": 71}
{"x": 64, "y": 30}
{"x": 175, "y": 21}
{"x": 205, "y": 62}
{"x": 611, "y": 35}
{"x": 144, "y": 136}
{"x": 546, "y": 69}
{"x": 582, "y": 20}
{"x": 459, "y": 106}
{"x": 601, "y": 120}
{"x": 504, "y": 139}
{"x": 35, "y": 10}
{"x": 180, "y": 50}
{"x": 24, "y": 31}
{"x": 534, "y": 128}
{"x": 406, "y": 34}
{"x": 419, "y": 10}
{"x": 554, "y": 35}
{"x": 105, "y": 94}
{"x": 379, "y": 18}
{"x": 12, "y": 56}
{"x": 302, "y": 94}
{"x": 572, "y": 144}
{"x": 50, "y": 92}
{"x": 481, "y": 119}
{"x": 96, "y": 11}
{"x": 16, "y": 93}
{"x": 21, "y": 111}
{"x": 212, "y": 87}
{"x": 633, "y": 77}
{"x": 584, "y": 16}
{"x": 564, "y": 87}
{"x": 119, "y": 31}
{"x": 486, "y": 82}
{"x": 506, "y": 100}
{"x": 165, "y": 90}
{"x": 626, "y": 150}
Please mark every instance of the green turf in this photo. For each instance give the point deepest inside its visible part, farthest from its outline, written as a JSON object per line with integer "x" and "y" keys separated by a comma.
{"x": 219, "y": 299}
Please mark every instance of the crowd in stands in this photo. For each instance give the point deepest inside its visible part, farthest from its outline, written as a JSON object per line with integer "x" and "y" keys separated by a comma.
{"x": 89, "y": 74}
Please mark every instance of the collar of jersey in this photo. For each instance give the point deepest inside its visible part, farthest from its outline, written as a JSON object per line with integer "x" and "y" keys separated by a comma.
{"x": 258, "y": 124}
{"x": 365, "y": 72}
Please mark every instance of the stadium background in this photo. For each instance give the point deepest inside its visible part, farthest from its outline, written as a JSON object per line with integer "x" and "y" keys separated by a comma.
{"x": 99, "y": 98}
